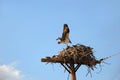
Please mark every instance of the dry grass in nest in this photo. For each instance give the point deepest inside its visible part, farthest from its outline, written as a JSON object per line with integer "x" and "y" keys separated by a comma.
{"x": 77, "y": 54}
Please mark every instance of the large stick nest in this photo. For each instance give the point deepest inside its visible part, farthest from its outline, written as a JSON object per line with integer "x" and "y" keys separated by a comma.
{"x": 77, "y": 54}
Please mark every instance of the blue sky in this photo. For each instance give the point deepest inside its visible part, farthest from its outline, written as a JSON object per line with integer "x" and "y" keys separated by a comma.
{"x": 29, "y": 28}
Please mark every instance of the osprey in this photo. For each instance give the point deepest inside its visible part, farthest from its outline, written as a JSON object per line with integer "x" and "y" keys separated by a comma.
{"x": 65, "y": 35}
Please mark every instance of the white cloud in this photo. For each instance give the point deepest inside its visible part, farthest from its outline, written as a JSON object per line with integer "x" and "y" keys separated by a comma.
{"x": 8, "y": 72}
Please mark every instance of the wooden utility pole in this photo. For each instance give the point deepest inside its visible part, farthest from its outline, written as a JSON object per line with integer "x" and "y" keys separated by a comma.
{"x": 72, "y": 71}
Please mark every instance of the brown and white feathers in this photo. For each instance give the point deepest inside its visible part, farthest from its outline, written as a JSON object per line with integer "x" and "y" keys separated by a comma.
{"x": 65, "y": 35}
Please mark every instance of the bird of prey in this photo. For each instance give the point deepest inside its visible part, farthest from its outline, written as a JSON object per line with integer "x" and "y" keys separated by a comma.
{"x": 65, "y": 35}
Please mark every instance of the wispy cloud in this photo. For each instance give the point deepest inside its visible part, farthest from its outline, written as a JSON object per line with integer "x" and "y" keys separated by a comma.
{"x": 9, "y": 72}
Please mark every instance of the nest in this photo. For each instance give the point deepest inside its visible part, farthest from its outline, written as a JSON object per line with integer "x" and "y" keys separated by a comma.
{"x": 77, "y": 54}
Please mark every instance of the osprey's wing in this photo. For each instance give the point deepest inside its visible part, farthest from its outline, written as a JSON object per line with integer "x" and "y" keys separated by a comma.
{"x": 66, "y": 31}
